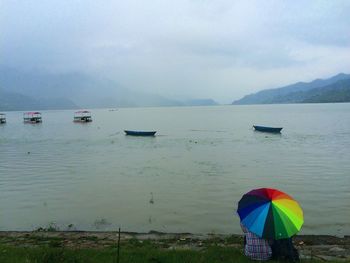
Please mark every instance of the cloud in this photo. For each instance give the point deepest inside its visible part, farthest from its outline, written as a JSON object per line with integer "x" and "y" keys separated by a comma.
{"x": 220, "y": 49}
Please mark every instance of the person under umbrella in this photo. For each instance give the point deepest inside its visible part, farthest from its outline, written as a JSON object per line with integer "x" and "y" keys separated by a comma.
{"x": 256, "y": 248}
{"x": 268, "y": 215}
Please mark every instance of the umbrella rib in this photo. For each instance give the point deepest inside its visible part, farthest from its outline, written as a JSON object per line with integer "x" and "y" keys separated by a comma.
{"x": 294, "y": 214}
{"x": 256, "y": 224}
{"x": 280, "y": 229}
{"x": 288, "y": 224}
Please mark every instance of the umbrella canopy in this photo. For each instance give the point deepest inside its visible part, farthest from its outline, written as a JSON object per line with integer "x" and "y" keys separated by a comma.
{"x": 270, "y": 213}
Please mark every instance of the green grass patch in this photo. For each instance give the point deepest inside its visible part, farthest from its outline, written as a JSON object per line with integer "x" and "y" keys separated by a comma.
{"x": 133, "y": 252}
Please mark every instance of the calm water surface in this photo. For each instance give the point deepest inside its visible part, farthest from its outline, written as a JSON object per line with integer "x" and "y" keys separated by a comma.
{"x": 187, "y": 179}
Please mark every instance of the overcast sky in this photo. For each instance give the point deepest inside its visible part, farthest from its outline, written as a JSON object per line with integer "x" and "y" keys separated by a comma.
{"x": 200, "y": 48}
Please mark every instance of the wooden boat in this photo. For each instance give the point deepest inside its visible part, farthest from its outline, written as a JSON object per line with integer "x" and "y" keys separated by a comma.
{"x": 32, "y": 117}
{"x": 82, "y": 116}
{"x": 267, "y": 129}
{"x": 140, "y": 133}
{"x": 2, "y": 118}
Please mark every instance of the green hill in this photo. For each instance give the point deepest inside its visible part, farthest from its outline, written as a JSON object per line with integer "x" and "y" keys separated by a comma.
{"x": 335, "y": 89}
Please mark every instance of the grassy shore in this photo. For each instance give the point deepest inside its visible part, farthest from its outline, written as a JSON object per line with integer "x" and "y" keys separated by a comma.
{"x": 37, "y": 247}
{"x": 142, "y": 254}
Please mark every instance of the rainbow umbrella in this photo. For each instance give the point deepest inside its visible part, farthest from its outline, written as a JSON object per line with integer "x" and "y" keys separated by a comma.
{"x": 270, "y": 213}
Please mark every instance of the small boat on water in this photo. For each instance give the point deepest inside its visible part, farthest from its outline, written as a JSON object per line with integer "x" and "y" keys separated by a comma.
{"x": 82, "y": 116}
{"x": 32, "y": 117}
{"x": 140, "y": 133}
{"x": 2, "y": 118}
{"x": 267, "y": 129}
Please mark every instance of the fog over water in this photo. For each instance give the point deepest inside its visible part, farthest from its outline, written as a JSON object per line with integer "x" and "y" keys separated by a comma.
{"x": 188, "y": 178}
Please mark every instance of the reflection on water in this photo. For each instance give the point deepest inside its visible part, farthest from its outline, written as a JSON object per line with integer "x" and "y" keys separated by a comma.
{"x": 187, "y": 179}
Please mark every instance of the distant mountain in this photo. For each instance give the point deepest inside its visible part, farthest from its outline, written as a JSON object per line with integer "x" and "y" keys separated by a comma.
{"x": 73, "y": 90}
{"x": 13, "y": 101}
{"x": 334, "y": 89}
{"x": 84, "y": 90}
{"x": 337, "y": 92}
{"x": 200, "y": 102}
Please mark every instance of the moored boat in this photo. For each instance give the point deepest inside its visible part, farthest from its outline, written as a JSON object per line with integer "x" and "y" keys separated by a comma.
{"x": 140, "y": 133}
{"x": 82, "y": 116}
{"x": 32, "y": 117}
{"x": 2, "y": 118}
{"x": 267, "y": 129}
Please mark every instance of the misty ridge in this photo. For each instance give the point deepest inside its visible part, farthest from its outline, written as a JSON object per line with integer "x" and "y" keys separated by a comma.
{"x": 21, "y": 90}
{"x": 334, "y": 89}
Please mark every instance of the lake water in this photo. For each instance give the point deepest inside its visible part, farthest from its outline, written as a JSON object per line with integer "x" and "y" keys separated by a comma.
{"x": 188, "y": 178}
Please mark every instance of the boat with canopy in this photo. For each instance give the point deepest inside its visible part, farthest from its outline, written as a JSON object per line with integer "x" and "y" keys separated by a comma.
{"x": 2, "y": 118}
{"x": 32, "y": 117}
{"x": 82, "y": 116}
